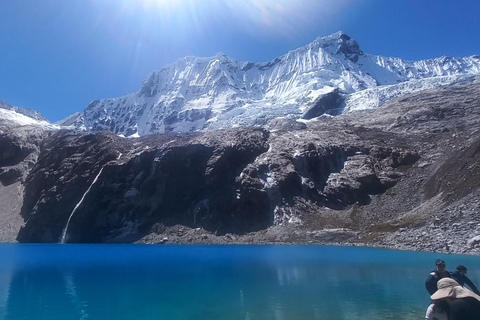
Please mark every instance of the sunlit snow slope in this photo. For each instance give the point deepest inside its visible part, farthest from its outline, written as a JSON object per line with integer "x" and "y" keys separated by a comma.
{"x": 198, "y": 94}
{"x": 25, "y": 116}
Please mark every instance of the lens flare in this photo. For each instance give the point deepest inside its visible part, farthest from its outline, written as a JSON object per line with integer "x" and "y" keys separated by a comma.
{"x": 167, "y": 28}
{"x": 254, "y": 17}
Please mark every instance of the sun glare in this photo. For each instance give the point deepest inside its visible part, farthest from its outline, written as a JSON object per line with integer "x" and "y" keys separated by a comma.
{"x": 156, "y": 4}
{"x": 247, "y": 14}
{"x": 281, "y": 17}
{"x": 176, "y": 26}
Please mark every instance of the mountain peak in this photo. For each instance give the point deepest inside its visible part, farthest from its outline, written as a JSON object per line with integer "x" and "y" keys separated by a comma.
{"x": 220, "y": 55}
{"x": 336, "y": 35}
{"x": 339, "y": 43}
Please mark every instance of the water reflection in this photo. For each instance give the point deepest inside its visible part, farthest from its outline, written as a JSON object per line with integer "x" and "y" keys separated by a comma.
{"x": 34, "y": 292}
{"x": 80, "y": 306}
{"x": 5, "y": 279}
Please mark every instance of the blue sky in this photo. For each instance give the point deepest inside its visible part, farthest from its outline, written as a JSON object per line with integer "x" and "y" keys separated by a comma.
{"x": 56, "y": 56}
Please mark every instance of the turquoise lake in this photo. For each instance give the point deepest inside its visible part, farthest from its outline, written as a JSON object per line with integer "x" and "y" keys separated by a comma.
{"x": 281, "y": 282}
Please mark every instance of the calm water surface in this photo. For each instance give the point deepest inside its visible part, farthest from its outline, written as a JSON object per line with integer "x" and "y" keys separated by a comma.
{"x": 55, "y": 281}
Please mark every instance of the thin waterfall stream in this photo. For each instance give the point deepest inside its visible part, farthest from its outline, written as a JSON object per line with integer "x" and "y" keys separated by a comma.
{"x": 64, "y": 233}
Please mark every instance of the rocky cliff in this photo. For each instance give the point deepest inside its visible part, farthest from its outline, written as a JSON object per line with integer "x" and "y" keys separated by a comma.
{"x": 405, "y": 175}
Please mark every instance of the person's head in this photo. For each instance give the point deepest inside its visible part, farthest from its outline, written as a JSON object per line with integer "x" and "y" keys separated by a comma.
{"x": 462, "y": 269}
{"x": 440, "y": 265}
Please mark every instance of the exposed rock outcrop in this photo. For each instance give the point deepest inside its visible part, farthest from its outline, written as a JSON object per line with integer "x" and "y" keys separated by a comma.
{"x": 20, "y": 146}
{"x": 19, "y": 149}
{"x": 99, "y": 187}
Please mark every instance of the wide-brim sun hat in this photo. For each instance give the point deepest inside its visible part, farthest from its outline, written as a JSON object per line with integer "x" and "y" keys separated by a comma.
{"x": 449, "y": 288}
{"x": 445, "y": 289}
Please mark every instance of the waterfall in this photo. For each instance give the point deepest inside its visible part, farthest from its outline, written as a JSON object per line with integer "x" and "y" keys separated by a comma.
{"x": 64, "y": 233}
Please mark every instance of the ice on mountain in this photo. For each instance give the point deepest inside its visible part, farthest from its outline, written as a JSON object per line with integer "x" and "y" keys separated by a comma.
{"x": 209, "y": 93}
{"x": 23, "y": 120}
{"x": 231, "y": 93}
{"x": 374, "y": 97}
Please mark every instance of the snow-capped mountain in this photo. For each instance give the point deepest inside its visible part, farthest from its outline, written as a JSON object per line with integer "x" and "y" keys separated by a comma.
{"x": 199, "y": 94}
{"x": 25, "y": 116}
{"x": 35, "y": 115}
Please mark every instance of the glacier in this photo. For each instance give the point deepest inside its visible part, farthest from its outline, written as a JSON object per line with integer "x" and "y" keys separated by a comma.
{"x": 330, "y": 75}
{"x": 29, "y": 119}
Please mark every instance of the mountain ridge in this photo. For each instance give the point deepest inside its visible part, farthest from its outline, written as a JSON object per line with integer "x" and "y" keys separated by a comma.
{"x": 329, "y": 76}
{"x": 31, "y": 113}
{"x": 210, "y": 93}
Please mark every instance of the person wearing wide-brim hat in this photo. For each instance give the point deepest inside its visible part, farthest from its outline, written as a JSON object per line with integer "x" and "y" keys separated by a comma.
{"x": 461, "y": 303}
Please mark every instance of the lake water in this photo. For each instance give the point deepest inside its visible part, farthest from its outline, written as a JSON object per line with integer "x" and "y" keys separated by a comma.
{"x": 69, "y": 281}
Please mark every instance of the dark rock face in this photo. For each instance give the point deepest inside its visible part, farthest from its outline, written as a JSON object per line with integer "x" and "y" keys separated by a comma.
{"x": 327, "y": 104}
{"x": 188, "y": 180}
{"x": 395, "y": 177}
{"x": 19, "y": 148}
{"x": 66, "y": 167}
{"x": 99, "y": 187}
{"x": 349, "y": 48}
{"x": 192, "y": 185}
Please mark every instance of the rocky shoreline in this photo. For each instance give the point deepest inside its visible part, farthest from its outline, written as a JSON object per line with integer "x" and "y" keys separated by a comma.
{"x": 424, "y": 239}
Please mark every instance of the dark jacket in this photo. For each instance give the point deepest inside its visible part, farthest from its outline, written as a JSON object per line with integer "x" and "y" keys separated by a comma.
{"x": 431, "y": 282}
{"x": 462, "y": 280}
{"x": 464, "y": 309}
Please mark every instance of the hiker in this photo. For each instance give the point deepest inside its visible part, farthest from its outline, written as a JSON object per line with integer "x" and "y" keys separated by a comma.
{"x": 460, "y": 276}
{"x": 459, "y": 303}
{"x": 435, "y": 275}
